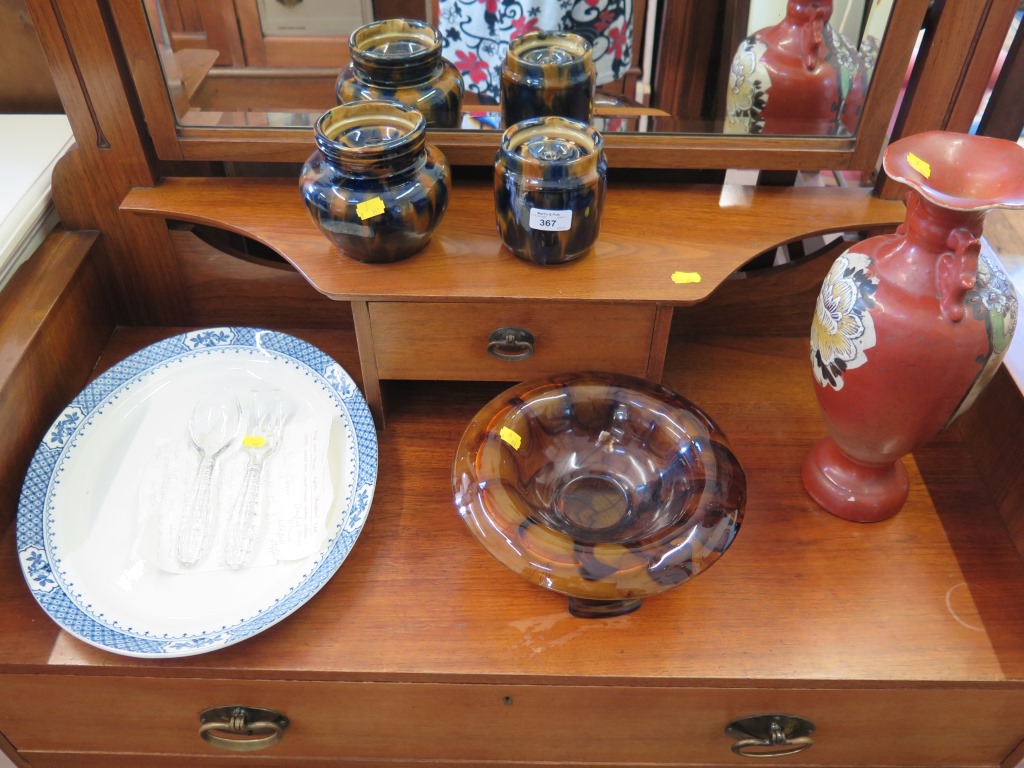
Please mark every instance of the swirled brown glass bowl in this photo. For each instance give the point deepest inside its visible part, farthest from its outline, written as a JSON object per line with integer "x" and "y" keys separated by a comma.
{"x": 603, "y": 487}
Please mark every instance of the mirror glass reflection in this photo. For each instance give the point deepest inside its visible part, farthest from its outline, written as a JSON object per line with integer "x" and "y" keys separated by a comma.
{"x": 769, "y": 67}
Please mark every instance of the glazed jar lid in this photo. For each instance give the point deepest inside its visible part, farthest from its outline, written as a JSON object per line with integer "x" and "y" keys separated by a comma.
{"x": 546, "y": 55}
{"x": 396, "y": 49}
{"x": 551, "y": 147}
{"x": 371, "y": 136}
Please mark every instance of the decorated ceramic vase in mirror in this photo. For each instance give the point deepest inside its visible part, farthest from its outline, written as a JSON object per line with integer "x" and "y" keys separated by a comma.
{"x": 601, "y": 487}
{"x": 910, "y": 327}
{"x": 548, "y": 73}
{"x": 400, "y": 60}
{"x": 549, "y": 182}
{"x": 795, "y": 77}
{"x": 374, "y": 186}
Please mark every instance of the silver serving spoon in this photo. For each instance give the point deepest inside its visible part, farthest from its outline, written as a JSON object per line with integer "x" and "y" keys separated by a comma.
{"x": 211, "y": 430}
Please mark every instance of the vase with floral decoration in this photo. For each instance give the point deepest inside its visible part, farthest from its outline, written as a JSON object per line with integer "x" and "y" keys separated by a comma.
{"x": 794, "y": 77}
{"x": 909, "y": 327}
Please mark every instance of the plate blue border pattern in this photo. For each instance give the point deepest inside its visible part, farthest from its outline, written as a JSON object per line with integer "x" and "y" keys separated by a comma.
{"x": 41, "y": 568}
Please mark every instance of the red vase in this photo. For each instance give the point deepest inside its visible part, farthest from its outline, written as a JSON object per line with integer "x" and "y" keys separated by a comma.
{"x": 909, "y": 327}
{"x": 793, "y": 77}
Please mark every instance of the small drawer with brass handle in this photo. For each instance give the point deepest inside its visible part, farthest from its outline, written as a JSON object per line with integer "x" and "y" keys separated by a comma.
{"x": 770, "y": 735}
{"x": 508, "y": 341}
{"x": 241, "y": 729}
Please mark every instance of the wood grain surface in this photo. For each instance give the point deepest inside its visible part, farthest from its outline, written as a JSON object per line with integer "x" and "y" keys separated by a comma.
{"x": 107, "y": 161}
{"x": 453, "y": 725}
{"x": 414, "y": 340}
{"x": 649, "y": 232}
{"x": 55, "y": 318}
{"x": 801, "y": 597}
{"x": 948, "y": 82}
{"x": 232, "y": 288}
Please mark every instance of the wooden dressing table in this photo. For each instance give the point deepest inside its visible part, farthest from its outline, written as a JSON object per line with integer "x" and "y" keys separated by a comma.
{"x": 902, "y": 642}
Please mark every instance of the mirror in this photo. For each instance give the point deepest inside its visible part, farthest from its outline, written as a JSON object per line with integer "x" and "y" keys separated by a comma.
{"x": 664, "y": 67}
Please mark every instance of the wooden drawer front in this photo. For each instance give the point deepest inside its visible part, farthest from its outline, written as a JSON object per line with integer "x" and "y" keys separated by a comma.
{"x": 448, "y": 723}
{"x": 416, "y": 340}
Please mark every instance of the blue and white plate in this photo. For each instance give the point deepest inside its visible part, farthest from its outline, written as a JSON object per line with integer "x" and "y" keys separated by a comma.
{"x": 78, "y": 523}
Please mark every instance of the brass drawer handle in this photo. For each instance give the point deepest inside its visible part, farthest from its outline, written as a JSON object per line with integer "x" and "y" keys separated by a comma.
{"x": 242, "y": 729}
{"x": 510, "y": 344}
{"x": 770, "y": 735}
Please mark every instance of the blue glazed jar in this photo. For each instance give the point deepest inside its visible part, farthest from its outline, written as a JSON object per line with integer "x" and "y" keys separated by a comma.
{"x": 549, "y": 181}
{"x": 400, "y": 60}
{"x": 548, "y": 73}
{"x": 374, "y": 186}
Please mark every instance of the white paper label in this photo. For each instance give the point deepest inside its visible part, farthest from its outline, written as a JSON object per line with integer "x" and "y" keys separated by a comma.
{"x": 550, "y": 221}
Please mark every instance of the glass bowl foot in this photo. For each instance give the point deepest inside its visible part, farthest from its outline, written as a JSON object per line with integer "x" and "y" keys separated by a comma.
{"x": 585, "y": 608}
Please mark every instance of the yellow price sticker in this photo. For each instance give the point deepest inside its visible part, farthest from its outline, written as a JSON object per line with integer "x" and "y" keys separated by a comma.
{"x": 254, "y": 441}
{"x": 370, "y": 208}
{"x": 919, "y": 165}
{"x": 686, "y": 277}
{"x": 511, "y": 437}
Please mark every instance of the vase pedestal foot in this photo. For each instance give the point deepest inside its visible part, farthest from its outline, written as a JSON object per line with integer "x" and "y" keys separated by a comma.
{"x": 864, "y": 493}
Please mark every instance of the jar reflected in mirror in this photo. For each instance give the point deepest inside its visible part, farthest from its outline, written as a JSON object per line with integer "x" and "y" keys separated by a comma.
{"x": 548, "y": 73}
{"x": 549, "y": 181}
{"x": 374, "y": 186}
{"x": 400, "y": 60}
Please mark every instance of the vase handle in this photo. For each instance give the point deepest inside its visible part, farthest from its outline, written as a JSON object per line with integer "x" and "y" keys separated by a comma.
{"x": 957, "y": 272}
{"x": 813, "y": 39}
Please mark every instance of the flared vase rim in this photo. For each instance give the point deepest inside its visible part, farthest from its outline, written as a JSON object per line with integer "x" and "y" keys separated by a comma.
{"x": 959, "y": 171}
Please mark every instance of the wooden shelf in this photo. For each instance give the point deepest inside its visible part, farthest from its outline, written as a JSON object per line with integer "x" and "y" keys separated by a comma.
{"x": 932, "y": 598}
{"x": 649, "y": 232}
{"x": 910, "y": 631}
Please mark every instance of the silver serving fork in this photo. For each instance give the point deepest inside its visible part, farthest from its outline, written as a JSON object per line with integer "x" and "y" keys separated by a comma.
{"x": 267, "y": 414}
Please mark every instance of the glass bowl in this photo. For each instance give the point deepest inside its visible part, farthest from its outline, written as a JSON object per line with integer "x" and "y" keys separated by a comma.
{"x": 602, "y": 487}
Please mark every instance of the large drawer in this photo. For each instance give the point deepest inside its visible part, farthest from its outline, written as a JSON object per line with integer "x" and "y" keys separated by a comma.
{"x": 452, "y": 723}
{"x": 418, "y": 340}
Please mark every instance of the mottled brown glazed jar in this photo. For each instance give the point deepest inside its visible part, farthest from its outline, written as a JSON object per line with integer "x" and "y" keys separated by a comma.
{"x": 910, "y": 327}
{"x": 548, "y": 73}
{"x": 549, "y": 182}
{"x": 374, "y": 186}
{"x": 602, "y": 487}
{"x": 400, "y": 60}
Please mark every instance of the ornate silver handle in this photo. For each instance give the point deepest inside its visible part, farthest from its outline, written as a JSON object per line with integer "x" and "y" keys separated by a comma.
{"x": 510, "y": 344}
{"x": 196, "y": 520}
{"x": 244, "y": 521}
{"x": 771, "y": 735}
{"x": 241, "y": 729}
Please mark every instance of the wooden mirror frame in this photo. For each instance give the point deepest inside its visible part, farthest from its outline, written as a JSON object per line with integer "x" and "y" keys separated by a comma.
{"x": 627, "y": 150}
